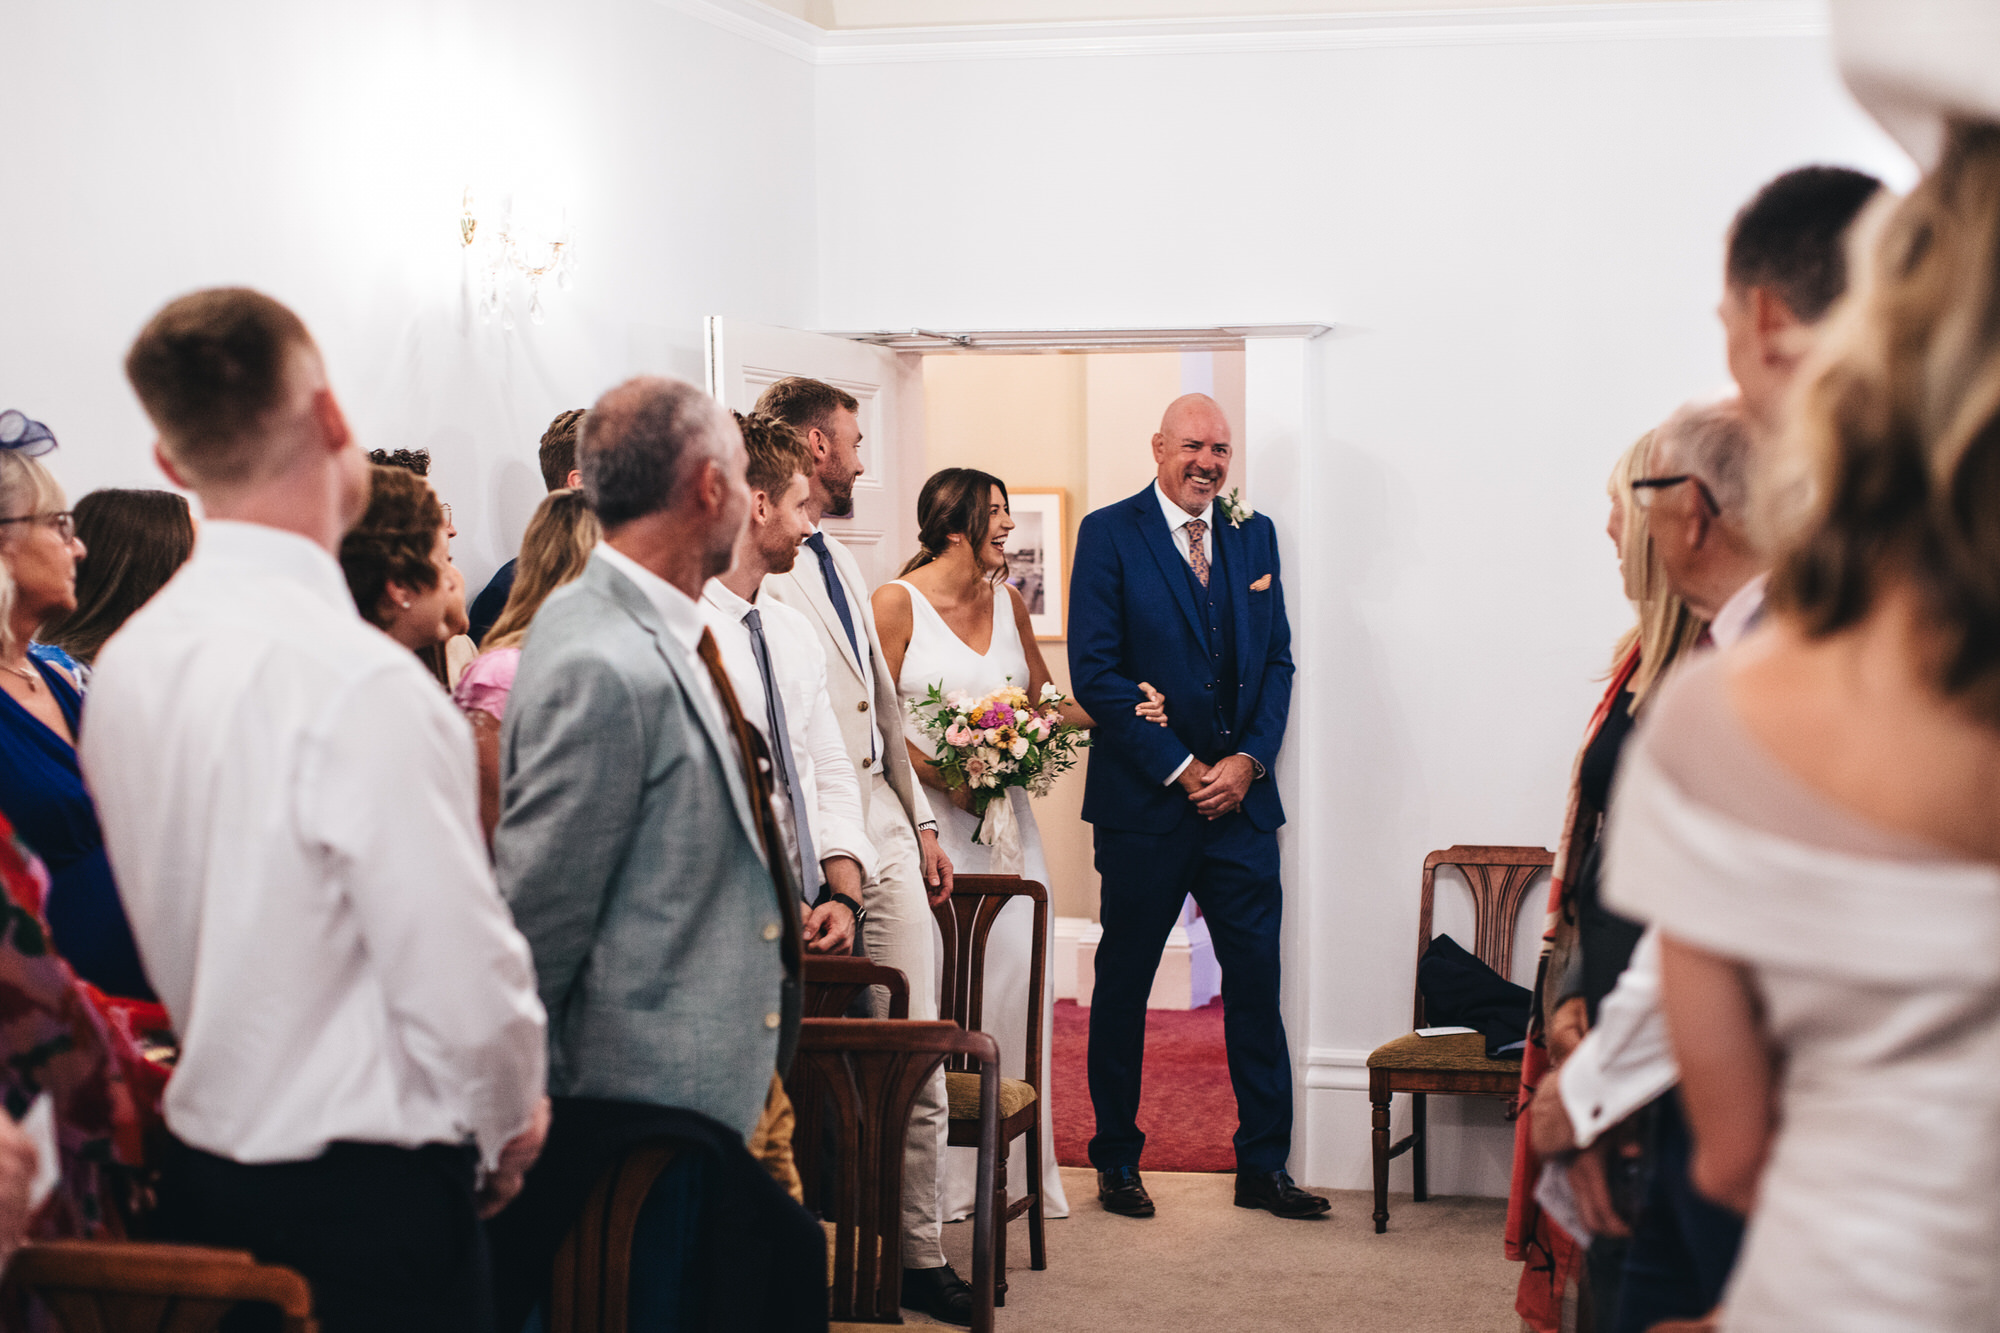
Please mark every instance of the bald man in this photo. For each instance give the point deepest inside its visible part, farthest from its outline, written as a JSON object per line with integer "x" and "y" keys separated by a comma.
{"x": 1174, "y": 588}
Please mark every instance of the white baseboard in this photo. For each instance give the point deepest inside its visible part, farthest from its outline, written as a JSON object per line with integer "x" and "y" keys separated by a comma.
{"x": 1188, "y": 977}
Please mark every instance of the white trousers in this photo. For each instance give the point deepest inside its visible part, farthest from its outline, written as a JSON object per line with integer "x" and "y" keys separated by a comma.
{"x": 900, "y": 933}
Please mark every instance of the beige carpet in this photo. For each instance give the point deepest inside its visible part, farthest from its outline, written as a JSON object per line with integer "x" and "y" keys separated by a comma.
{"x": 1204, "y": 1264}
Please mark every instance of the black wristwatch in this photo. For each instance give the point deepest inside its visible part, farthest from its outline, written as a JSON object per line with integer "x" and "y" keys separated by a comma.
{"x": 856, "y": 908}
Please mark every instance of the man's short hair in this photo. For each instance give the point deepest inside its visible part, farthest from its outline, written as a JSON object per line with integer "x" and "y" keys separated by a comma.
{"x": 209, "y": 368}
{"x": 638, "y": 444}
{"x": 778, "y": 452}
{"x": 1712, "y": 441}
{"x": 1792, "y": 237}
{"x": 807, "y": 404}
{"x": 558, "y": 452}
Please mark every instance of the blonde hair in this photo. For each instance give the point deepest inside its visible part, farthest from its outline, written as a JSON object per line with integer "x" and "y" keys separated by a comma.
{"x": 1667, "y": 626}
{"x": 557, "y": 546}
{"x": 26, "y": 487}
{"x": 1891, "y": 468}
{"x": 6, "y": 608}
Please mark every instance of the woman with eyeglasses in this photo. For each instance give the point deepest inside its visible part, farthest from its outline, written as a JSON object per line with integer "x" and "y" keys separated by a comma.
{"x": 41, "y": 786}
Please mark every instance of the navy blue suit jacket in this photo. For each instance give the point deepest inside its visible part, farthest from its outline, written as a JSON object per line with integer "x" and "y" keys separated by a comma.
{"x": 1132, "y": 617}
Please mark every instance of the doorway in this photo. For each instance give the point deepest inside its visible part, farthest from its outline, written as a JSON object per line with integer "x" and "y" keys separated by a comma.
{"x": 1065, "y": 419}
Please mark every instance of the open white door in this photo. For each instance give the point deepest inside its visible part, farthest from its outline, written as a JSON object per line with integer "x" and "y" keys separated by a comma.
{"x": 744, "y": 358}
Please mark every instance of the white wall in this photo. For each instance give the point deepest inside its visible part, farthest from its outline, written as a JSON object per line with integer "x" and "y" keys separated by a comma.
{"x": 1517, "y": 230}
{"x": 319, "y": 152}
{"x": 1521, "y": 242}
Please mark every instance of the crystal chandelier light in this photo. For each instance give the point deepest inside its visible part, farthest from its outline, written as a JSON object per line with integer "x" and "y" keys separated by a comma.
{"x": 498, "y": 247}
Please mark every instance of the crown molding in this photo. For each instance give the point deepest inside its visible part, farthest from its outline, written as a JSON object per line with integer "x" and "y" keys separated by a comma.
{"x": 1649, "y": 20}
{"x": 758, "y": 23}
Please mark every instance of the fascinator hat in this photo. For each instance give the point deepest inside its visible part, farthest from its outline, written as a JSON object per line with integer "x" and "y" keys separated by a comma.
{"x": 21, "y": 435}
{"x": 1915, "y": 64}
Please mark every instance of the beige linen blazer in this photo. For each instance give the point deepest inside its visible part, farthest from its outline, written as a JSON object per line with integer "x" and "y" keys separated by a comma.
{"x": 859, "y": 711}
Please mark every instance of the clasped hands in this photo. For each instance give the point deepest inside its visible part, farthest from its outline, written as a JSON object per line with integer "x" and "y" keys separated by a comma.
{"x": 1215, "y": 789}
{"x": 1553, "y": 1134}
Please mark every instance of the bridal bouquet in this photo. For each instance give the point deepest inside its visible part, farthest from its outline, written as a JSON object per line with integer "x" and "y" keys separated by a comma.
{"x": 989, "y": 744}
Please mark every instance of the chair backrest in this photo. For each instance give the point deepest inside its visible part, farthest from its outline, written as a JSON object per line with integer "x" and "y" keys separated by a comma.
{"x": 591, "y": 1281}
{"x": 966, "y": 921}
{"x": 831, "y": 983}
{"x": 1499, "y": 879}
{"x": 134, "y": 1287}
{"x": 852, "y": 1085}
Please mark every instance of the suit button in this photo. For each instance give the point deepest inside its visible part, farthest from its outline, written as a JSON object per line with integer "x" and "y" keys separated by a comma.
{"x": 866, "y": 762}
{"x": 772, "y": 1021}
{"x": 770, "y": 932}
{"x": 1209, "y": 686}
{"x": 861, "y": 707}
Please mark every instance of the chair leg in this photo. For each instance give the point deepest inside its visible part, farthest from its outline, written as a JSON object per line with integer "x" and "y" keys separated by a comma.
{"x": 1038, "y": 1251}
{"x": 1000, "y": 1204}
{"x": 1378, "y": 1094}
{"x": 1419, "y": 1147}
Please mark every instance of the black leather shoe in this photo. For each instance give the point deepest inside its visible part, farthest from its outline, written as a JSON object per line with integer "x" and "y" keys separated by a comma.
{"x": 1121, "y": 1191}
{"x": 939, "y": 1293}
{"x": 1274, "y": 1192}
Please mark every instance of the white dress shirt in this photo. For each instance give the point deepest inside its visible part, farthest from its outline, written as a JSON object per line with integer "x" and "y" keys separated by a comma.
{"x": 684, "y": 621}
{"x": 1177, "y": 521}
{"x": 829, "y": 788}
{"x": 290, "y": 804}
{"x": 1627, "y": 1060}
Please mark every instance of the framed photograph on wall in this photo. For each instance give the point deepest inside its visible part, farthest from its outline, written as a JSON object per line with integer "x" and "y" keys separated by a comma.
{"x": 1038, "y": 557}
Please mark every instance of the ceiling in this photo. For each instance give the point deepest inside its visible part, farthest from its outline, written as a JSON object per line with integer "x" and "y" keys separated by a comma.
{"x": 849, "y": 15}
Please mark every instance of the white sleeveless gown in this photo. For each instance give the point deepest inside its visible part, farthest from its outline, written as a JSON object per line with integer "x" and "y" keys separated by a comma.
{"x": 937, "y": 656}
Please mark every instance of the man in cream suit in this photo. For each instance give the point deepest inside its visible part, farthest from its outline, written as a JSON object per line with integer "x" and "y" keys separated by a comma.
{"x": 896, "y": 927}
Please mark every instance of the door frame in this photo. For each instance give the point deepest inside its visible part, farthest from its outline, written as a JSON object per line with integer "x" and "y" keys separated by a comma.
{"x": 1282, "y": 379}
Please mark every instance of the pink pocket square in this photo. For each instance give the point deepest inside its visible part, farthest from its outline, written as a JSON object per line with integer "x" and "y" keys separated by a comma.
{"x": 1261, "y": 585}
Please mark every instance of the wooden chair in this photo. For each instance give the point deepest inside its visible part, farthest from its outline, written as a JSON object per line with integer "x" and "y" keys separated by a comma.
{"x": 864, "y": 1074}
{"x": 591, "y": 1286}
{"x": 134, "y": 1287}
{"x": 831, "y": 983}
{"x": 1456, "y": 1065}
{"x": 966, "y": 920}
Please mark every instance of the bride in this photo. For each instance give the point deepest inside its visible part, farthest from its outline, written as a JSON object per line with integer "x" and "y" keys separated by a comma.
{"x": 953, "y": 622}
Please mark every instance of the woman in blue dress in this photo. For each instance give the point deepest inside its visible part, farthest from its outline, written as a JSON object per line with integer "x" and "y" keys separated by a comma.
{"x": 41, "y": 704}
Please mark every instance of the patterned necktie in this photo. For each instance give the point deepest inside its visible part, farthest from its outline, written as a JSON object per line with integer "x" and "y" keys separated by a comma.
{"x": 747, "y": 753}
{"x": 781, "y": 755}
{"x": 1197, "y": 554}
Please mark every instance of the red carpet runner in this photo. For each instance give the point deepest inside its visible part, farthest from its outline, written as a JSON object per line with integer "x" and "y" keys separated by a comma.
{"x": 1187, "y": 1110}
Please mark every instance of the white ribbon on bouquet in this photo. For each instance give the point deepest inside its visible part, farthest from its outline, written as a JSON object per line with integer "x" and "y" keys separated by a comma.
{"x": 1000, "y": 829}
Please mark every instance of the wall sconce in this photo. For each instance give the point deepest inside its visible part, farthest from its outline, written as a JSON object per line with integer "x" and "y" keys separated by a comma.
{"x": 498, "y": 247}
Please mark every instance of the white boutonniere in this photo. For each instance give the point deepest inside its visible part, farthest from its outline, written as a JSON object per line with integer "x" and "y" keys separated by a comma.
{"x": 1235, "y": 510}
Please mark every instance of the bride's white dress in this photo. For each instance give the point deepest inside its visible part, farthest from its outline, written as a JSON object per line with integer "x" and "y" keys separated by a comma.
{"x": 937, "y": 656}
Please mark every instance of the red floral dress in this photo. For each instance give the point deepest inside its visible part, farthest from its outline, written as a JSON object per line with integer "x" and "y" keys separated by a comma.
{"x": 62, "y": 1036}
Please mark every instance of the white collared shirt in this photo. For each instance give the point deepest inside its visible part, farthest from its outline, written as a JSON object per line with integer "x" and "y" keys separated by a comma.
{"x": 684, "y": 621}
{"x": 826, "y": 777}
{"x": 1627, "y": 1060}
{"x": 290, "y": 804}
{"x": 1177, "y": 521}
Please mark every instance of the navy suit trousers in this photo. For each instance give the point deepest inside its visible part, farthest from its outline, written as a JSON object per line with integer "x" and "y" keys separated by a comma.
{"x": 1232, "y": 870}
